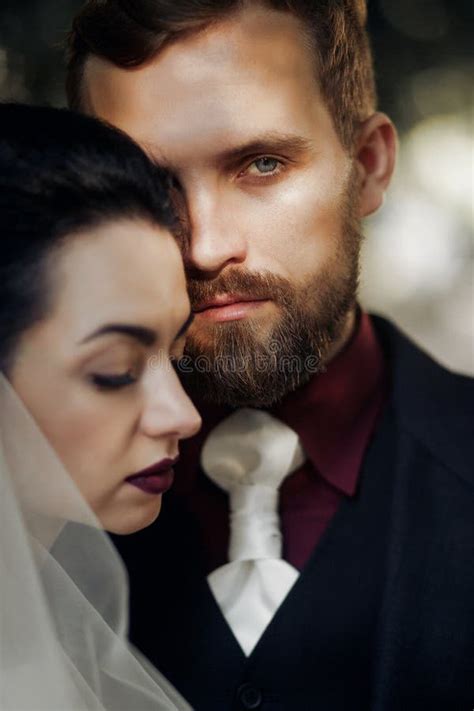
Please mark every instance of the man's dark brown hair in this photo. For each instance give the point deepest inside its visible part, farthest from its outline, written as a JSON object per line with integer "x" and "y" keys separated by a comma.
{"x": 130, "y": 32}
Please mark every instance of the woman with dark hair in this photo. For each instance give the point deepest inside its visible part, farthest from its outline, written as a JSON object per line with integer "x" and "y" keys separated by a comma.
{"x": 93, "y": 313}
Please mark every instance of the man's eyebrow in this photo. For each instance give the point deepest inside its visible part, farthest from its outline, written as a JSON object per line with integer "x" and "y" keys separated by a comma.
{"x": 143, "y": 335}
{"x": 269, "y": 142}
{"x": 185, "y": 326}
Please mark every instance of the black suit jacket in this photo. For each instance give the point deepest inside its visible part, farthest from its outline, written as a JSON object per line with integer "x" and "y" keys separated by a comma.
{"x": 382, "y": 616}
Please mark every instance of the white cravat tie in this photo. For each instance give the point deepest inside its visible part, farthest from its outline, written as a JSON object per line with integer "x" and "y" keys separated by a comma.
{"x": 248, "y": 455}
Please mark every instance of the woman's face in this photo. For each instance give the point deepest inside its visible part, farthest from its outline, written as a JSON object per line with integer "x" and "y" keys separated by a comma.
{"x": 96, "y": 372}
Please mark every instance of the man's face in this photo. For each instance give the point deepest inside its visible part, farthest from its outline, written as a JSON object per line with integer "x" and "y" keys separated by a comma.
{"x": 272, "y": 259}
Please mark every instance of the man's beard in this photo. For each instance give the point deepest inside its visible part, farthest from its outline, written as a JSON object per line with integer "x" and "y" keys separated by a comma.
{"x": 240, "y": 363}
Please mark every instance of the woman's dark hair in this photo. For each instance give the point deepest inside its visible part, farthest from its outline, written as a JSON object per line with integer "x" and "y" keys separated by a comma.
{"x": 60, "y": 174}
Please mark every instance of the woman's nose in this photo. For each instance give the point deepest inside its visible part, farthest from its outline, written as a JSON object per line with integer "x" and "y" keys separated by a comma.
{"x": 168, "y": 410}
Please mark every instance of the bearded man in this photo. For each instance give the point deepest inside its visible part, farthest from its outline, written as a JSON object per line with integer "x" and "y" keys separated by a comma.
{"x": 317, "y": 550}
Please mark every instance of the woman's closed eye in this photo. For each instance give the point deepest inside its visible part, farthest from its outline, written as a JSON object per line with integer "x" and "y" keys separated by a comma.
{"x": 113, "y": 381}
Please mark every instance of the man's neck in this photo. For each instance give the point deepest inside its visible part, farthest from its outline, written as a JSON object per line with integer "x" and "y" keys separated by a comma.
{"x": 347, "y": 331}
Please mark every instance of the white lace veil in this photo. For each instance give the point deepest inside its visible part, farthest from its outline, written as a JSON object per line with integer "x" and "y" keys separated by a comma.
{"x": 63, "y": 590}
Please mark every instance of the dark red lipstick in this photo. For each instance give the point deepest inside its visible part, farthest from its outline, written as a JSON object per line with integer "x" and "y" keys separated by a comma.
{"x": 155, "y": 479}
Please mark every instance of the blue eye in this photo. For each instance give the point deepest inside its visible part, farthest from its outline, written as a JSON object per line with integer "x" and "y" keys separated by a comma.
{"x": 113, "y": 382}
{"x": 266, "y": 164}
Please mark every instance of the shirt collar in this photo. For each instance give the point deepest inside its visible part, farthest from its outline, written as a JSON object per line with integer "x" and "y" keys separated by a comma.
{"x": 335, "y": 413}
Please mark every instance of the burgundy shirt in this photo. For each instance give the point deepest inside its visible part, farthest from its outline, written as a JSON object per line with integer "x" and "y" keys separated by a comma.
{"x": 334, "y": 415}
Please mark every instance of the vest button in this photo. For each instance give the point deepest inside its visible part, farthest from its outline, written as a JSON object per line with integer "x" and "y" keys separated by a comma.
{"x": 249, "y": 697}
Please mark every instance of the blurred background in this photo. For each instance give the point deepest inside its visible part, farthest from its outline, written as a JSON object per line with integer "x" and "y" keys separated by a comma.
{"x": 418, "y": 262}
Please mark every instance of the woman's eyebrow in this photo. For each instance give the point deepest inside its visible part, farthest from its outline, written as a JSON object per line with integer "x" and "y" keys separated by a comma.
{"x": 145, "y": 336}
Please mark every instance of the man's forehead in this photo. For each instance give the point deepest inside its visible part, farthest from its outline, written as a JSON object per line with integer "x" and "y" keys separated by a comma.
{"x": 245, "y": 81}
{"x": 255, "y": 46}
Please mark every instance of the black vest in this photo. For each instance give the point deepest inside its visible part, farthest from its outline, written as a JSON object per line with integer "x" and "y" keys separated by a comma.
{"x": 382, "y": 616}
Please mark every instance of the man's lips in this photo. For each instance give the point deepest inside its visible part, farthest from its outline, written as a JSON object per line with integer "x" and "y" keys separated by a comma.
{"x": 224, "y": 300}
{"x": 228, "y": 307}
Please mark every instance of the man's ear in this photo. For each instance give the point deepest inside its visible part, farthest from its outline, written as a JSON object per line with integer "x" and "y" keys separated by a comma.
{"x": 375, "y": 154}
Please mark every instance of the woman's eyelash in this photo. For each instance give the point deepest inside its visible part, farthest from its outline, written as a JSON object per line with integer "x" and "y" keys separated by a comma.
{"x": 113, "y": 382}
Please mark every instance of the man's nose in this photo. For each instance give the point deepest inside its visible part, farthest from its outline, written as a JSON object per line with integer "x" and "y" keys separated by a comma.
{"x": 215, "y": 239}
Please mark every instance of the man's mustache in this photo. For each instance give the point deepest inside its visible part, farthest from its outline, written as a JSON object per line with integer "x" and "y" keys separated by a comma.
{"x": 263, "y": 285}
